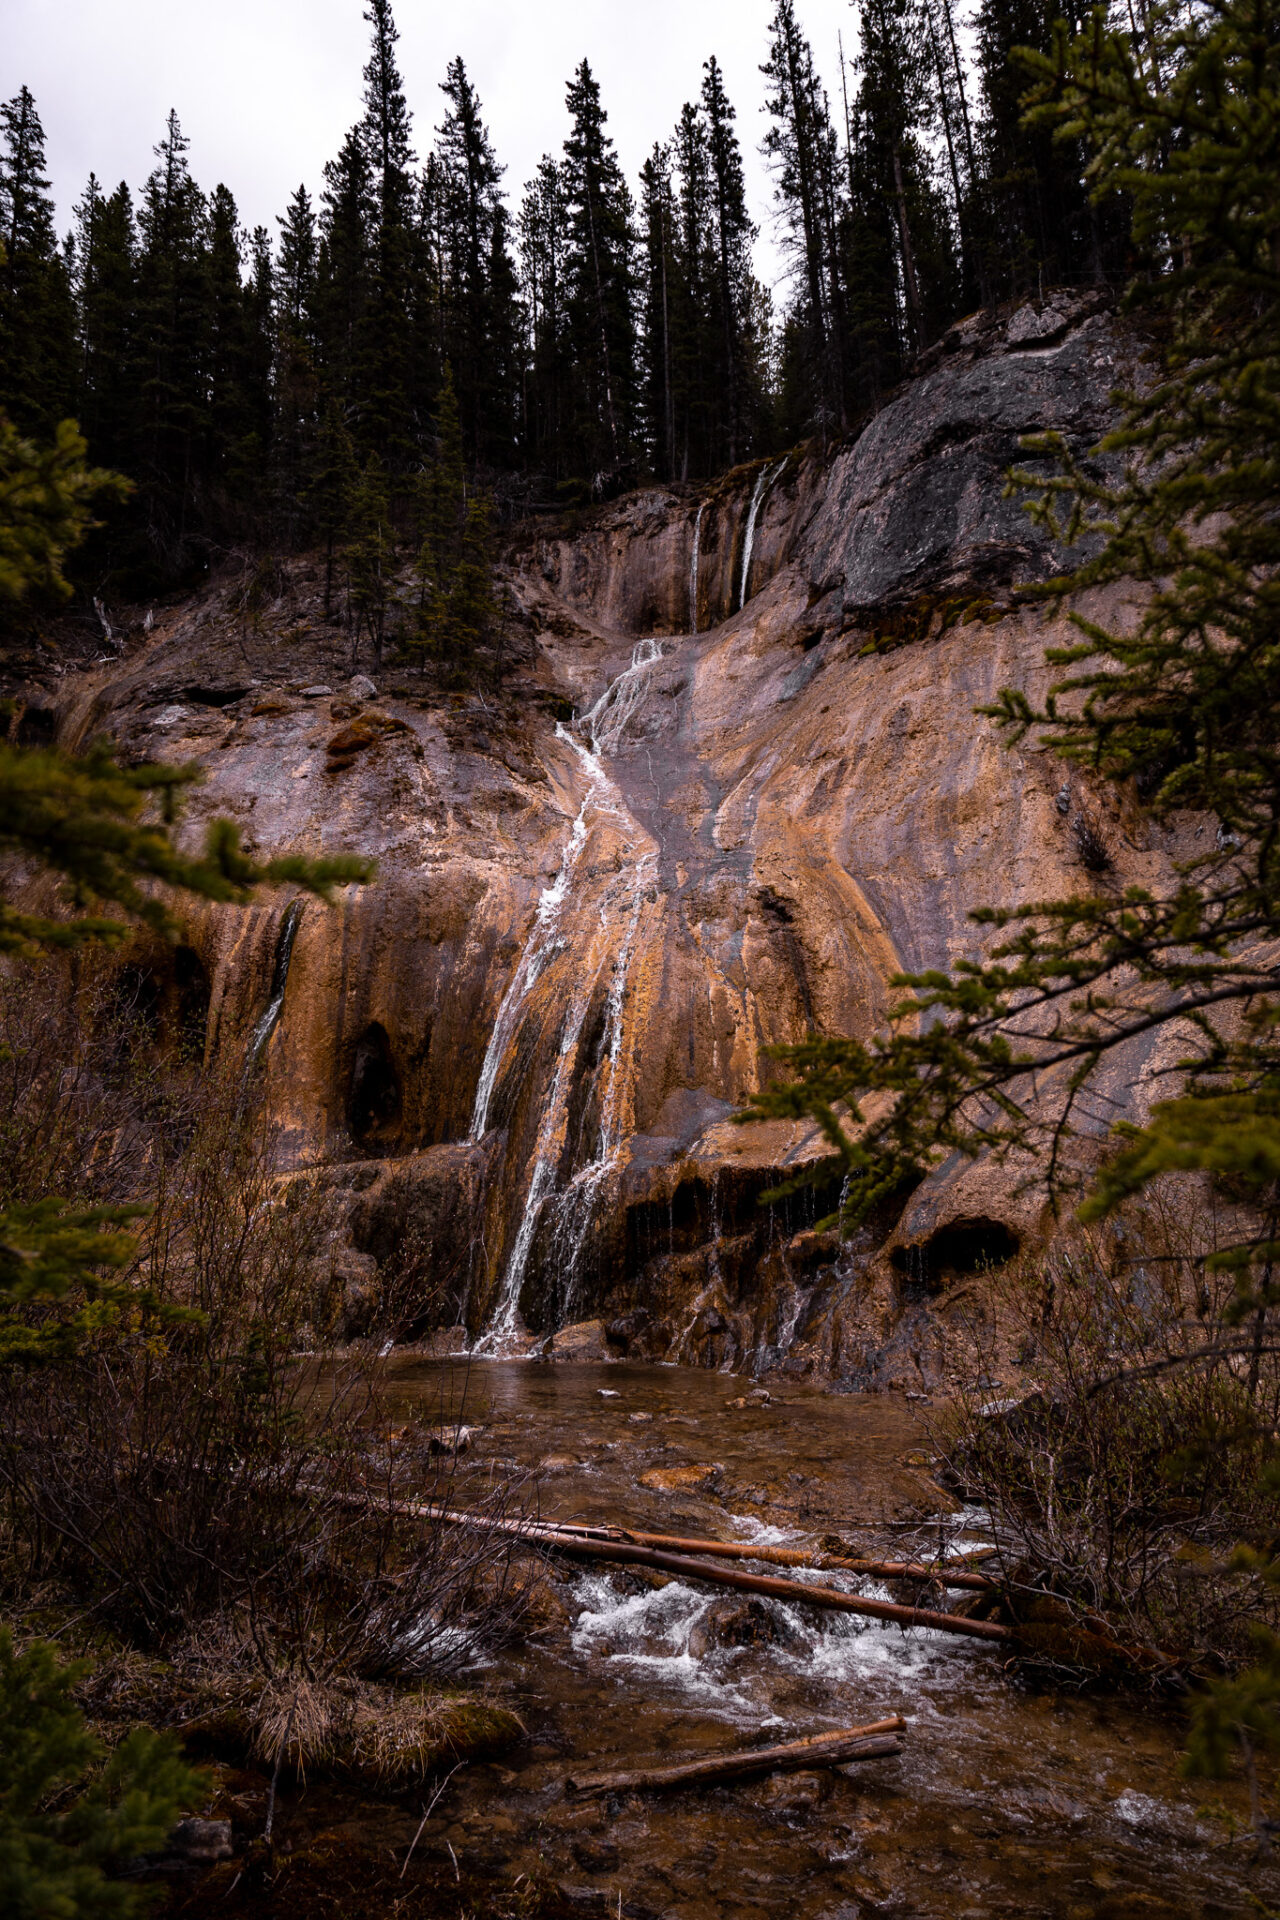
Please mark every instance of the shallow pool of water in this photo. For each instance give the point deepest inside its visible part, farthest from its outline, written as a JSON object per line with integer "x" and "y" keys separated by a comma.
{"x": 1006, "y": 1800}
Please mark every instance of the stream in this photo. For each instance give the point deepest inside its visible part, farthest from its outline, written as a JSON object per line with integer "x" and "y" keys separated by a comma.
{"x": 1007, "y": 1800}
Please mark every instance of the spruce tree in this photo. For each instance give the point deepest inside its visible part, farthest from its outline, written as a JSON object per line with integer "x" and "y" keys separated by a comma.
{"x": 106, "y": 401}
{"x": 661, "y": 292}
{"x": 369, "y": 557}
{"x": 600, "y": 287}
{"x": 802, "y": 150}
{"x": 384, "y": 380}
{"x": 734, "y": 353}
{"x": 478, "y": 320}
{"x": 440, "y": 512}
{"x": 174, "y": 312}
{"x": 37, "y": 321}
{"x": 543, "y": 240}
{"x": 295, "y": 392}
{"x": 343, "y": 271}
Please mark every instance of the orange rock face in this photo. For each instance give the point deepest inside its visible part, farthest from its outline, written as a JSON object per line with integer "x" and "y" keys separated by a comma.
{"x": 523, "y": 1044}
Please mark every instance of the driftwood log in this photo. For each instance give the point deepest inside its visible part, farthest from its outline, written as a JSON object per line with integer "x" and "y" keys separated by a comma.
{"x": 819, "y": 1750}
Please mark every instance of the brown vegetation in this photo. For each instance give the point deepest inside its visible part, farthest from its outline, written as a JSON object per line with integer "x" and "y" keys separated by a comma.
{"x": 206, "y": 1502}
{"x": 1121, "y": 1485}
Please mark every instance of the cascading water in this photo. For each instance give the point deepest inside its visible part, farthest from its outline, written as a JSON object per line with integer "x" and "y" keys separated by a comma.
{"x": 270, "y": 1019}
{"x": 764, "y": 480}
{"x": 613, "y": 941}
{"x": 693, "y": 570}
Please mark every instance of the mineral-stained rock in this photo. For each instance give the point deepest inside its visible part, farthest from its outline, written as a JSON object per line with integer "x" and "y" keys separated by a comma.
{"x": 513, "y": 1061}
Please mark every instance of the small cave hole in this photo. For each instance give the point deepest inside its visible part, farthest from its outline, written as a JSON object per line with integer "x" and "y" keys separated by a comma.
{"x": 191, "y": 1002}
{"x": 374, "y": 1105}
{"x": 37, "y": 727}
{"x": 961, "y": 1247}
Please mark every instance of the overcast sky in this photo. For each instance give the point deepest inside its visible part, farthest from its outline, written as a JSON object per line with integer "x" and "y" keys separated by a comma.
{"x": 265, "y": 89}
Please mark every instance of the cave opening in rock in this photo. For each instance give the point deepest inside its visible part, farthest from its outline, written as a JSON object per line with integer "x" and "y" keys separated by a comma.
{"x": 374, "y": 1103}
{"x": 963, "y": 1246}
{"x": 191, "y": 1002}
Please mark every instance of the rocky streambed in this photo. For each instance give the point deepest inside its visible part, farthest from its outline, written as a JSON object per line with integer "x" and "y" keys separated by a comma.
{"x": 1006, "y": 1801}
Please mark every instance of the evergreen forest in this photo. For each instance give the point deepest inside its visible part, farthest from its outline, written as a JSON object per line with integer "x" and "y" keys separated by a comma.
{"x": 420, "y": 343}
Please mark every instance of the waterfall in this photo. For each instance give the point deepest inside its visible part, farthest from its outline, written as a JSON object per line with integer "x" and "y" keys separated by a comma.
{"x": 605, "y": 725}
{"x": 693, "y": 570}
{"x": 270, "y": 1020}
{"x": 764, "y": 479}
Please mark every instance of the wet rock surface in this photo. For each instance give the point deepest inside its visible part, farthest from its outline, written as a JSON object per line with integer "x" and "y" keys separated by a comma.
{"x": 719, "y": 803}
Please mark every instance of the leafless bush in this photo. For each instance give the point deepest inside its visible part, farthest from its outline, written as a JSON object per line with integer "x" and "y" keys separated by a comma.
{"x": 191, "y": 1475}
{"x": 85, "y": 1103}
{"x": 1121, "y": 1484}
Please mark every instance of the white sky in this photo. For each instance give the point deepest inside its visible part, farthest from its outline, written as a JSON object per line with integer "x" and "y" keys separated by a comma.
{"x": 265, "y": 89}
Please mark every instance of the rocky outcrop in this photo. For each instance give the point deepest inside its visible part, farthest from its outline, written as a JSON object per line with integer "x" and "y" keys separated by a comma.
{"x": 516, "y": 1055}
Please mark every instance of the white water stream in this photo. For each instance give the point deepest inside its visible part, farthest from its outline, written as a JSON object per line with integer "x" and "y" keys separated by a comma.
{"x": 693, "y": 571}
{"x": 764, "y": 481}
{"x": 605, "y": 725}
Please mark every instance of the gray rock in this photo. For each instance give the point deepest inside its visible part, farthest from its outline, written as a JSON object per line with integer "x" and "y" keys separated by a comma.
{"x": 361, "y": 687}
{"x": 316, "y": 693}
{"x": 916, "y": 506}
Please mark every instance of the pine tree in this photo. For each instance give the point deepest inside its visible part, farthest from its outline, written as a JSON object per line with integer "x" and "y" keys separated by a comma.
{"x": 543, "y": 234}
{"x": 735, "y": 374}
{"x": 37, "y": 320}
{"x": 441, "y": 511}
{"x": 296, "y": 393}
{"x": 384, "y": 331}
{"x": 802, "y": 149}
{"x": 343, "y": 269}
{"x": 661, "y": 275}
{"x": 107, "y": 301}
{"x": 174, "y": 311}
{"x": 369, "y": 558}
{"x": 599, "y": 285}
{"x": 478, "y": 322}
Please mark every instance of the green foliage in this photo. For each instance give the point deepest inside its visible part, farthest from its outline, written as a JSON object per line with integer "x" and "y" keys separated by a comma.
{"x": 81, "y": 818}
{"x": 454, "y": 568}
{"x": 45, "y": 509}
{"x": 51, "y": 1251}
{"x": 369, "y": 554}
{"x": 1000, "y": 1054}
{"x": 68, "y": 1811}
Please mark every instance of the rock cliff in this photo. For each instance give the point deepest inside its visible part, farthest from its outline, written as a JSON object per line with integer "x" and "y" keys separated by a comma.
{"x": 733, "y": 784}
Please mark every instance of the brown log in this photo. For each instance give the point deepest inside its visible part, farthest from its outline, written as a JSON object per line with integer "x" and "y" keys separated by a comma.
{"x": 819, "y": 1750}
{"x": 940, "y": 1575}
{"x": 794, "y": 1590}
{"x": 584, "y": 1546}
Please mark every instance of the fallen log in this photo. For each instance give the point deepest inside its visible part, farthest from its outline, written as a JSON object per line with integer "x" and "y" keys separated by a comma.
{"x": 819, "y": 1750}
{"x": 940, "y": 1575}
{"x": 794, "y": 1590}
{"x": 589, "y": 1546}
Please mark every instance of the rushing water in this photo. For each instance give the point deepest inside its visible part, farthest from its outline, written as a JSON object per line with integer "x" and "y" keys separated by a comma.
{"x": 764, "y": 480}
{"x": 598, "y": 733}
{"x": 1005, "y": 1802}
{"x": 270, "y": 1019}
{"x": 693, "y": 571}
